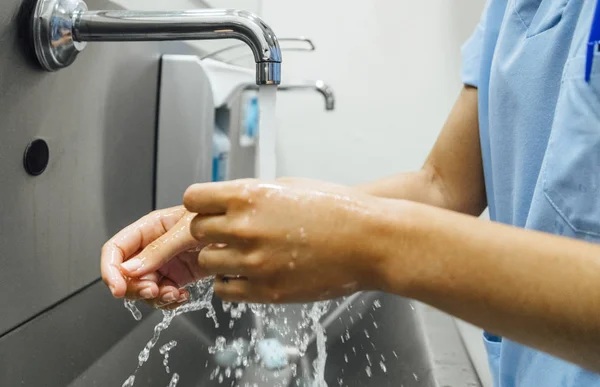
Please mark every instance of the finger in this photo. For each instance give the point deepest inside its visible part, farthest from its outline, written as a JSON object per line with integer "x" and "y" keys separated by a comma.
{"x": 174, "y": 305}
{"x": 178, "y": 239}
{"x": 158, "y": 305}
{"x": 141, "y": 290}
{"x": 112, "y": 257}
{"x": 212, "y": 198}
{"x": 211, "y": 229}
{"x": 225, "y": 260}
{"x": 170, "y": 293}
{"x": 130, "y": 240}
{"x": 236, "y": 290}
{"x": 184, "y": 270}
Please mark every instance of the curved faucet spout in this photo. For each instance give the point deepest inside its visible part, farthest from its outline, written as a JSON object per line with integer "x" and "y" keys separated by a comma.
{"x": 61, "y": 28}
{"x": 310, "y": 46}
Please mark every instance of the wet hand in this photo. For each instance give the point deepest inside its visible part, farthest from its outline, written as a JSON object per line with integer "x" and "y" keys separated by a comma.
{"x": 287, "y": 241}
{"x": 153, "y": 259}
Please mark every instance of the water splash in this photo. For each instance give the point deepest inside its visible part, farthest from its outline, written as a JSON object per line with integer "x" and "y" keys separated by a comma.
{"x": 129, "y": 382}
{"x": 164, "y": 350}
{"x": 135, "y": 312}
{"x": 201, "y": 294}
{"x": 317, "y": 311}
{"x": 174, "y": 381}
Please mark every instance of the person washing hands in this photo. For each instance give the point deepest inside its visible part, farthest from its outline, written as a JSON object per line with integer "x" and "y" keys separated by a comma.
{"x": 522, "y": 139}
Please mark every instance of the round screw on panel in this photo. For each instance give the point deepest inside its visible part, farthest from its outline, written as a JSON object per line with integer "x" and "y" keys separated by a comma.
{"x": 37, "y": 155}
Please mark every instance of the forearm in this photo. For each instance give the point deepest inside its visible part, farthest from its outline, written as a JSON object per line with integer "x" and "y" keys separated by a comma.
{"x": 537, "y": 289}
{"x": 452, "y": 176}
{"x": 422, "y": 186}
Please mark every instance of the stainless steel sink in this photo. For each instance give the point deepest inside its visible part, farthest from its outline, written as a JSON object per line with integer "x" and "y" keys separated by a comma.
{"x": 91, "y": 340}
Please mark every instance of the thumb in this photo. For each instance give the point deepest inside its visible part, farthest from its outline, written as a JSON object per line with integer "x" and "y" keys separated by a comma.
{"x": 160, "y": 251}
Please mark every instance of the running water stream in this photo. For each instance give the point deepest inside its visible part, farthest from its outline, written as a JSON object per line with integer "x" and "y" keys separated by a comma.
{"x": 266, "y": 317}
{"x": 267, "y": 140}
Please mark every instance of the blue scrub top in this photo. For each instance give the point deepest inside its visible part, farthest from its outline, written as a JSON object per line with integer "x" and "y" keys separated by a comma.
{"x": 540, "y": 139}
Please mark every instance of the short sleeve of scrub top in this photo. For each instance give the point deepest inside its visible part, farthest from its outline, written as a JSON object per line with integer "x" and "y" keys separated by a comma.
{"x": 471, "y": 52}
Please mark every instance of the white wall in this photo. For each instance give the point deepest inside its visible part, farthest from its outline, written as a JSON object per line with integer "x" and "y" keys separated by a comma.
{"x": 395, "y": 68}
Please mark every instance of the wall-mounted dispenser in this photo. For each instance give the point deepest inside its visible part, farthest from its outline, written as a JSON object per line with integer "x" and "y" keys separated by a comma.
{"x": 221, "y": 146}
{"x": 186, "y": 117}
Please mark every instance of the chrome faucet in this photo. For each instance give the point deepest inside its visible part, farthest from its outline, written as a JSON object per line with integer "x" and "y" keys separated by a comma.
{"x": 310, "y": 46}
{"x": 319, "y": 86}
{"x": 61, "y": 29}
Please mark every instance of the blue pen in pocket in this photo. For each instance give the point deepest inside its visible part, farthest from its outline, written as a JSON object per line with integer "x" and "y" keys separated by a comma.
{"x": 593, "y": 41}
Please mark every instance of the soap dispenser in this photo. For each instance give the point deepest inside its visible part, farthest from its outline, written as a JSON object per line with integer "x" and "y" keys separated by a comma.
{"x": 221, "y": 148}
{"x": 250, "y": 119}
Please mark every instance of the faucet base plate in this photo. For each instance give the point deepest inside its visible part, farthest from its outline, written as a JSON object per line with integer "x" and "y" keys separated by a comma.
{"x": 53, "y": 38}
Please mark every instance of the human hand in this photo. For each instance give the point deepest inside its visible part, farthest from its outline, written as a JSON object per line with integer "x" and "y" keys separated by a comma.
{"x": 287, "y": 241}
{"x": 153, "y": 259}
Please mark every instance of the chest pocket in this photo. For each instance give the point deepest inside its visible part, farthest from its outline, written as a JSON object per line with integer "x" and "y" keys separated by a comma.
{"x": 571, "y": 176}
{"x": 538, "y": 16}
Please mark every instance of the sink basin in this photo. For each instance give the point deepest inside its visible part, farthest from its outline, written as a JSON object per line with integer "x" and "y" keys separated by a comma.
{"x": 373, "y": 339}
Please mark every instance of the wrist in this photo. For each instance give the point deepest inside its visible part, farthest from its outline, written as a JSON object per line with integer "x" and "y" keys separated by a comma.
{"x": 395, "y": 247}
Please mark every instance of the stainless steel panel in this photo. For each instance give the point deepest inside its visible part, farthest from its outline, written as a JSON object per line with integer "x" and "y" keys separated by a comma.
{"x": 98, "y": 118}
{"x": 185, "y": 128}
{"x": 91, "y": 340}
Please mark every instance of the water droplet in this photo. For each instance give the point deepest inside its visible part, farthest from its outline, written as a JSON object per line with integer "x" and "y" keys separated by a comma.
{"x": 383, "y": 368}
{"x": 129, "y": 382}
{"x": 135, "y": 312}
{"x": 164, "y": 350}
{"x": 368, "y": 371}
{"x": 174, "y": 381}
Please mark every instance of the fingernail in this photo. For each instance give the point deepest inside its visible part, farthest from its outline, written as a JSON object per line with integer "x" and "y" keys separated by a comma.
{"x": 132, "y": 265}
{"x": 112, "y": 289}
{"x": 169, "y": 297}
{"x": 146, "y": 294}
